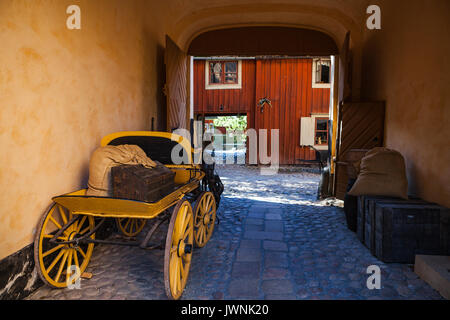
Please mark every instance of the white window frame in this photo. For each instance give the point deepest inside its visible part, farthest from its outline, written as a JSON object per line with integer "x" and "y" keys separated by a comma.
{"x": 319, "y": 85}
{"x": 308, "y": 130}
{"x": 223, "y": 86}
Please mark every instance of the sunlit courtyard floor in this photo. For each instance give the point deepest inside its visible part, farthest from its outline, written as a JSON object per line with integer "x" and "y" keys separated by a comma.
{"x": 274, "y": 241}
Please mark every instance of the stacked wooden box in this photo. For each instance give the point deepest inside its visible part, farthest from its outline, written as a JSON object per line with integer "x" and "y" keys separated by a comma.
{"x": 395, "y": 230}
{"x": 137, "y": 182}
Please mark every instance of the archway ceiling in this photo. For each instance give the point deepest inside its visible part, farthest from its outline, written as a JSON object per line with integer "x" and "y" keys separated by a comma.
{"x": 260, "y": 41}
{"x": 190, "y": 18}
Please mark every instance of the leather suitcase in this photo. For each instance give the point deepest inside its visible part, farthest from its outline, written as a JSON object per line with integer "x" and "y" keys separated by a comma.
{"x": 137, "y": 182}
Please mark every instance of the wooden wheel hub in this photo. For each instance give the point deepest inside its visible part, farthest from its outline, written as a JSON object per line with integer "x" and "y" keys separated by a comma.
{"x": 206, "y": 219}
{"x": 183, "y": 248}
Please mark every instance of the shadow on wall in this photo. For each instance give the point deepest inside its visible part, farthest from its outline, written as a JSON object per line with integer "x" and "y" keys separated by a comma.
{"x": 151, "y": 76}
{"x": 411, "y": 171}
{"x": 84, "y": 175}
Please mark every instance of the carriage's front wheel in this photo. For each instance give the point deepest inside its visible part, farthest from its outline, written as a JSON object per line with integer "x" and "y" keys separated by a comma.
{"x": 55, "y": 261}
{"x": 178, "y": 252}
{"x": 204, "y": 218}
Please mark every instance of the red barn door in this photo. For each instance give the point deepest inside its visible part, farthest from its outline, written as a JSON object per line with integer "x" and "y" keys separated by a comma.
{"x": 286, "y": 84}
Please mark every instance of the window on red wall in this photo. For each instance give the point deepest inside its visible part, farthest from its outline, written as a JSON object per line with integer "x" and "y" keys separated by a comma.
{"x": 223, "y": 72}
{"x": 321, "y": 131}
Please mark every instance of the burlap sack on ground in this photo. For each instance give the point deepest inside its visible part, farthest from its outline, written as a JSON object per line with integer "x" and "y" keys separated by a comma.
{"x": 382, "y": 173}
{"x": 104, "y": 158}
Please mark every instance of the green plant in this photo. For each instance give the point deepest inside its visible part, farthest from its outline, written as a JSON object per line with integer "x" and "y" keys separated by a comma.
{"x": 232, "y": 123}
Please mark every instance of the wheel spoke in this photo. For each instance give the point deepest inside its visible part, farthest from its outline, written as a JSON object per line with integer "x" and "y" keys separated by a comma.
{"x": 187, "y": 260}
{"x": 69, "y": 264}
{"x": 179, "y": 276}
{"x": 82, "y": 252}
{"x": 61, "y": 266}
{"x": 186, "y": 223}
{"x": 133, "y": 226}
{"x": 80, "y": 225}
{"x": 52, "y": 250}
{"x": 198, "y": 233}
{"x": 126, "y": 224}
{"x": 202, "y": 202}
{"x": 204, "y": 233}
{"x": 181, "y": 269}
{"x": 55, "y": 222}
{"x": 179, "y": 224}
{"x": 184, "y": 214}
{"x": 84, "y": 230}
{"x": 209, "y": 206}
{"x": 55, "y": 261}
{"x": 49, "y": 236}
{"x": 62, "y": 214}
{"x": 75, "y": 258}
{"x": 186, "y": 234}
{"x": 208, "y": 203}
{"x": 200, "y": 240}
{"x": 173, "y": 272}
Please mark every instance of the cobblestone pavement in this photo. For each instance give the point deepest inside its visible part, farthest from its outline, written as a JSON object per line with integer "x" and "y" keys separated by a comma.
{"x": 274, "y": 241}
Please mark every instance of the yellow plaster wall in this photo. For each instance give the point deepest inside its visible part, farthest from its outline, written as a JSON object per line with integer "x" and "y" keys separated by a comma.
{"x": 61, "y": 91}
{"x": 407, "y": 64}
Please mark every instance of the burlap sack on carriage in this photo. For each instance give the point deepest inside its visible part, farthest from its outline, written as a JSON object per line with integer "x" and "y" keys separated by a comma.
{"x": 382, "y": 172}
{"x": 104, "y": 158}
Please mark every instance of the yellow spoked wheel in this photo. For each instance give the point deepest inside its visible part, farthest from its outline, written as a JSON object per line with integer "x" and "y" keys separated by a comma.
{"x": 204, "y": 218}
{"x": 55, "y": 261}
{"x": 130, "y": 226}
{"x": 178, "y": 252}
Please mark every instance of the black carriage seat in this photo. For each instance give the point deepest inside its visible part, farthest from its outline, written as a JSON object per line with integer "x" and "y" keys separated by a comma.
{"x": 156, "y": 148}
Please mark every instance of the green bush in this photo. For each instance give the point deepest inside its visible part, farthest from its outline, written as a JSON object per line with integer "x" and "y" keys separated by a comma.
{"x": 232, "y": 122}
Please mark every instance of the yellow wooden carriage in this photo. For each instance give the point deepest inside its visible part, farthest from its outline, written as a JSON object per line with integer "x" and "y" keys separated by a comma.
{"x": 65, "y": 236}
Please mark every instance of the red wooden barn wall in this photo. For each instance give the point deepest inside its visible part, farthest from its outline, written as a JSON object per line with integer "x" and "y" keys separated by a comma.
{"x": 233, "y": 100}
{"x": 287, "y": 82}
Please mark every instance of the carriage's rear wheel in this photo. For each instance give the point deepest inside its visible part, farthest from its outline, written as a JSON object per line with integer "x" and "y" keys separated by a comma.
{"x": 130, "y": 227}
{"x": 204, "y": 218}
{"x": 55, "y": 261}
{"x": 178, "y": 252}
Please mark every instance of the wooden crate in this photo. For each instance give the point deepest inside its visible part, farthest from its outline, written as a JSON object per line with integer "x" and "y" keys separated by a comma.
{"x": 445, "y": 232}
{"x": 403, "y": 230}
{"x": 144, "y": 184}
{"x": 368, "y": 218}
{"x": 362, "y": 207}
